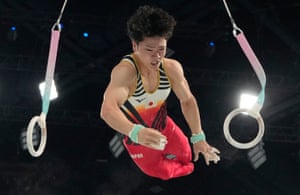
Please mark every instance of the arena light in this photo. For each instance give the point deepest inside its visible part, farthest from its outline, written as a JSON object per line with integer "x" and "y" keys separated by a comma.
{"x": 116, "y": 146}
{"x": 35, "y": 138}
{"x": 247, "y": 101}
{"x": 12, "y": 33}
{"x": 61, "y": 25}
{"x": 53, "y": 93}
{"x": 209, "y": 48}
{"x": 211, "y": 44}
{"x": 257, "y": 155}
{"x": 85, "y": 34}
{"x": 13, "y": 28}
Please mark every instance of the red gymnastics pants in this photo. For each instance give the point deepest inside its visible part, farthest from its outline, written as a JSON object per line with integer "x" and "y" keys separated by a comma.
{"x": 160, "y": 164}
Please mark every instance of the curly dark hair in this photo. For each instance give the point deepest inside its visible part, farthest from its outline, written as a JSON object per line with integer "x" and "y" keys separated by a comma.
{"x": 150, "y": 21}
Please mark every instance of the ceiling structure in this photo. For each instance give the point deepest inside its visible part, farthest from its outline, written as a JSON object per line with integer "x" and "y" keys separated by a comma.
{"x": 78, "y": 139}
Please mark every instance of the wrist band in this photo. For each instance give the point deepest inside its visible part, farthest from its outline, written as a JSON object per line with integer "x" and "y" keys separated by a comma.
{"x": 133, "y": 134}
{"x": 197, "y": 137}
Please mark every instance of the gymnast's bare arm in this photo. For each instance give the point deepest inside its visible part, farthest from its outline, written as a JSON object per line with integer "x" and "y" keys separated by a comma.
{"x": 123, "y": 78}
{"x": 188, "y": 103}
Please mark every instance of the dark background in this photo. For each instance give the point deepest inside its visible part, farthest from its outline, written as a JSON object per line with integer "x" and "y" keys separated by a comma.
{"x": 77, "y": 159}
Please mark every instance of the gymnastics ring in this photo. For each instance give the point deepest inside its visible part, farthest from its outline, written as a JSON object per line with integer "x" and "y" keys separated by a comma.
{"x": 41, "y": 120}
{"x": 260, "y": 133}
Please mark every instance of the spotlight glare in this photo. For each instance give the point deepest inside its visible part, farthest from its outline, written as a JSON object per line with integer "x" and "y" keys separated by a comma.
{"x": 247, "y": 101}
{"x": 53, "y": 92}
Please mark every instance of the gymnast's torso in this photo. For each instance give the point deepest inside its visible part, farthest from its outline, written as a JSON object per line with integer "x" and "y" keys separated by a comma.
{"x": 147, "y": 104}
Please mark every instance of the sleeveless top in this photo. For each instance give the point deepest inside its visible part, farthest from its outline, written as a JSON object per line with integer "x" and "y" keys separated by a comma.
{"x": 144, "y": 107}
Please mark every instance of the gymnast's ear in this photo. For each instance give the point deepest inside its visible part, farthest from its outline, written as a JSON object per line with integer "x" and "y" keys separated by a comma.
{"x": 134, "y": 45}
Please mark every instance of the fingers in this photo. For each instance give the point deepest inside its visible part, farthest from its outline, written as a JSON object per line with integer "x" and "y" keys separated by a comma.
{"x": 152, "y": 139}
{"x": 159, "y": 146}
{"x": 206, "y": 160}
{"x": 215, "y": 150}
{"x": 212, "y": 156}
{"x": 209, "y": 155}
{"x": 157, "y": 139}
{"x": 196, "y": 156}
{"x": 217, "y": 159}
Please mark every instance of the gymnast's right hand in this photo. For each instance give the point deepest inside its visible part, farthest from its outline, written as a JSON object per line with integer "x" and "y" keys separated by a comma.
{"x": 151, "y": 138}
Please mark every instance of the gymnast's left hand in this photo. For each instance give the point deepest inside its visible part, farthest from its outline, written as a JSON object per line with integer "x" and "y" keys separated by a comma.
{"x": 209, "y": 153}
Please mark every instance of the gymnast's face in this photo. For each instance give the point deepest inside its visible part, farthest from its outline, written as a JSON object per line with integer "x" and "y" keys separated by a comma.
{"x": 150, "y": 51}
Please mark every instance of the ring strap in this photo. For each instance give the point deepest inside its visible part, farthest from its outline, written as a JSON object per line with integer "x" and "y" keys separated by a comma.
{"x": 254, "y": 112}
{"x": 50, "y": 69}
{"x": 41, "y": 120}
